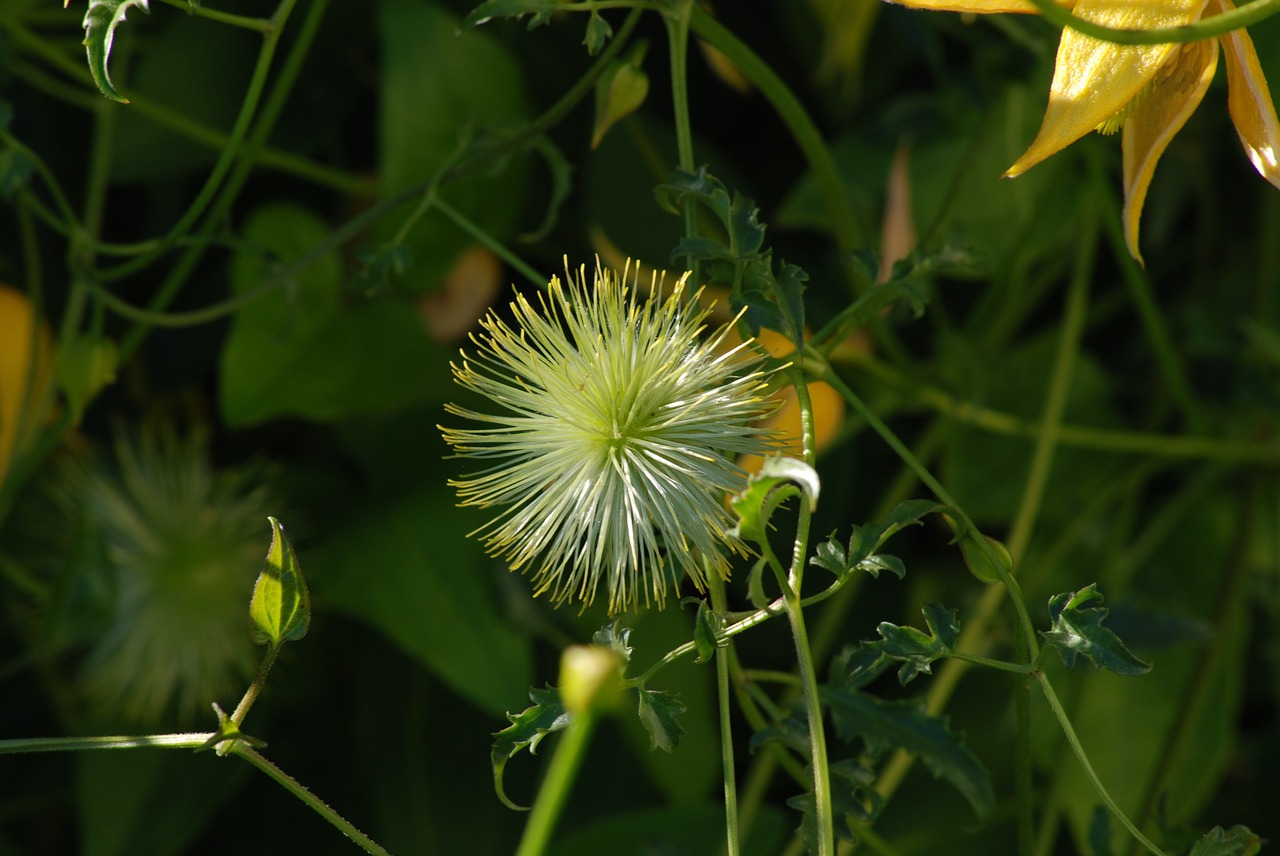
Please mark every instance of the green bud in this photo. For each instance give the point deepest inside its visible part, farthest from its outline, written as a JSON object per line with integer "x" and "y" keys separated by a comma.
{"x": 590, "y": 678}
{"x": 983, "y": 555}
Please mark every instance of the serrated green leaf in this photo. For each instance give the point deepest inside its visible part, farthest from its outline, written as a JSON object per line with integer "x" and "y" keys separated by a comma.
{"x": 853, "y": 796}
{"x": 792, "y": 731}
{"x": 527, "y": 728}
{"x": 541, "y": 10}
{"x": 1236, "y": 841}
{"x": 740, "y": 260}
{"x": 100, "y": 22}
{"x": 659, "y": 712}
{"x": 280, "y": 608}
{"x": 616, "y": 638}
{"x": 866, "y": 541}
{"x": 1077, "y": 629}
{"x": 619, "y": 91}
{"x": 598, "y": 32}
{"x": 917, "y": 650}
{"x": 884, "y": 725}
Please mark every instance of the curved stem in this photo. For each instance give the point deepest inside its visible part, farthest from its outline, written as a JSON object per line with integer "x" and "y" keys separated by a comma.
{"x": 1206, "y": 28}
{"x": 848, "y": 232}
{"x": 724, "y": 656}
{"x": 239, "y": 132}
{"x": 1069, "y": 731}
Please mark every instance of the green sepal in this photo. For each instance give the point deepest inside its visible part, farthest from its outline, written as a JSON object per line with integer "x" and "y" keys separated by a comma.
{"x": 281, "y": 608}
{"x": 541, "y": 10}
{"x": 1236, "y": 841}
{"x": 227, "y": 731}
{"x": 862, "y": 553}
{"x": 1077, "y": 629}
{"x": 774, "y": 300}
{"x": 100, "y": 21}
{"x": 86, "y": 364}
{"x": 620, "y": 91}
{"x": 884, "y": 725}
{"x": 658, "y": 714}
{"x": 527, "y": 728}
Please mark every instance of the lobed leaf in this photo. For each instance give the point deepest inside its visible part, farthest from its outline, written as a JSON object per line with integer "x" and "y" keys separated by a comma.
{"x": 527, "y": 728}
{"x": 904, "y": 724}
{"x": 659, "y": 712}
{"x": 915, "y": 649}
{"x": 739, "y": 260}
{"x": 615, "y": 637}
{"x": 1077, "y": 629}
{"x": 773, "y": 485}
{"x": 1236, "y": 841}
{"x": 865, "y": 541}
{"x": 540, "y": 10}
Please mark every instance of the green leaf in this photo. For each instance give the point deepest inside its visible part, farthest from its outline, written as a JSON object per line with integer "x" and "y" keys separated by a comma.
{"x": 616, "y": 638}
{"x": 853, "y": 796}
{"x": 400, "y": 565}
{"x": 446, "y": 94}
{"x": 707, "y": 627}
{"x": 527, "y": 728}
{"x": 280, "y": 608}
{"x": 541, "y": 10}
{"x": 917, "y": 650}
{"x": 310, "y": 348}
{"x": 658, "y": 713}
{"x": 884, "y": 725}
{"x": 1077, "y": 629}
{"x": 15, "y": 170}
{"x": 1236, "y": 841}
{"x": 620, "y": 91}
{"x": 378, "y": 265}
{"x": 774, "y": 301}
{"x": 766, "y": 490}
{"x": 86, "y": 364}
{"x": 598, "y": 32}
{"x": 100, "y": 21}
{"x": 866, "y": 541}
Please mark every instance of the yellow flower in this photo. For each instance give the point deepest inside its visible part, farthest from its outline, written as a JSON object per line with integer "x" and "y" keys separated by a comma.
{"x": 1146, "y": 91}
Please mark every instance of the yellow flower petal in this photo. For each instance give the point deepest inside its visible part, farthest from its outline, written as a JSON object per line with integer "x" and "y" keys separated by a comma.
{"x": 1173, "y": 97}
{"x": 1094, "y": 80}
{"x": 1249, "y": 99}
{"x": 978, "y": 7}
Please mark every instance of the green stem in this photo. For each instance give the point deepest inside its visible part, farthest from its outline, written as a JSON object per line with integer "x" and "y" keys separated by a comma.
{"x": 1206, "y": 28}
{"x": 261, "y": 25}
{"x": 844, "y": 224}
{"x": 678, "y": 43}
{"x": 1122, "y": 442}
{"x": 493, "y": 244}
{"x": 187, "y": 740}
{"x": 555, "y": 787}
{"x": 239, "y": 132}
{"x": 266, "y": 121}
{"x": 255, "y": 688}
{"x": 723, "y": 658}
{"x": 1069, "y": 731}
{"x": 243, "y": 750}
